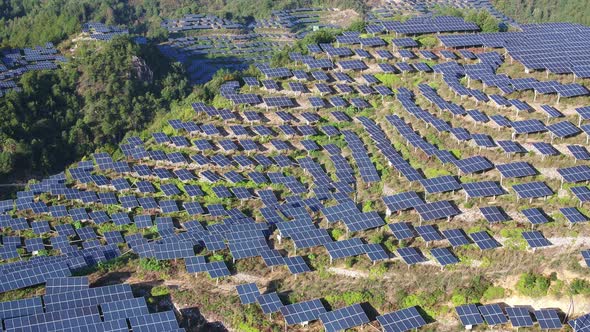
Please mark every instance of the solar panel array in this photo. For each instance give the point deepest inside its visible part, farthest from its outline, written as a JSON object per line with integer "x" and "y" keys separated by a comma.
{"x": 292, "y": 155}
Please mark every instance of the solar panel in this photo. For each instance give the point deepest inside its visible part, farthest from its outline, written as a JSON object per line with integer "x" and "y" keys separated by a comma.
{"x": 535, "y": 239}
{"x": 345, "y": 248}
{"x": 586, "y": 256}
{"x": 478, "y": 116}
{"x": 484, "y": 241}
{"x": 469, "y": 315}
{"x": 388, "y": 68}
{"x": 580, "y": 324}
{"x": 473, "y": 164}
{"x": 317, "y": 102}
{"x": 311, "y": 238}
{"x": 575, "y": 174}
{"x": 218, "y": 269}
{"x": 124, "y": 309}
{"x": 437, "y": 210}
{"x": 281, "y": 101}
{"x": 384, "y": 54}
{"x": 456, "y": 237}
{"x": 352, "y": 65}
{"x": 375, "y": 252}
{"x": 532, "y": 190}
{"x": 545, "y": 149}
{"x": 535, "y": 216}
{"x": 573, "y": 215}
{"x": 160, "y": 321}
{"x": 402, "y": 230}
{"x": 320, "y": 75}
{"x": 402, "y": 201}
{"x": 444, "y": 256}
{"x": 563, "y": 129}
{"x": 404, "y": 42}
{"x": 296, "y": 264}
{"x": 519, "y": 317}
{"x": 494, "y": 214}
{"x": 302, "y": 312}
{"x": 195, "y": 264}
{"x": 411, "y": 255}
{"x": 405, "y": 67}
{"x": 516, "y": 169}
{"x": 251, "y": 81}
{"x": 493, "y": 315}
{"x": 344, "y": 318}
{"x": 401, "y": 320}
{"x": 383, "y": 90}
{"x": 90, "y": 296}
{"x": 579, "y": 152}
{"x": 429, "y": 233}
{"x": 248, "y": 293}
{"x": 440, "y": 184}
{"x": 548, "y": 319}
{"x": 511, "y": 146}
{"x": 483, "y": 189}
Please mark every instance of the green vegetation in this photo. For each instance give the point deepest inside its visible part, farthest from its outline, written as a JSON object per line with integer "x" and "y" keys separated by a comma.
{"x": 322, "y": 36}
{"x": 486, "y": 21}
{"x": 576, "y": 11}
{"x": 473, "y": 290}
{"x": 579, "y": 286}
{"x": 244, "y": 10}
{"x": 493, "y": 292}
{"x": 160, "y": 291}
{"x": 533, "y": 284}
{"x": 154, "y": 265}
{"x": 106, "y": 91}
{"x": 35, "y": 22}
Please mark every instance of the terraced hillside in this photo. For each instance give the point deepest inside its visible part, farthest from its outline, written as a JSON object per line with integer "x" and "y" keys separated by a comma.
{"x": 418, "y": 175}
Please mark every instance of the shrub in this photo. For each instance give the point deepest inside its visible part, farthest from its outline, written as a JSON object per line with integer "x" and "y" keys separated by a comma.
{"x": 493, "y": 292}
{"x": 336, "y": 234}
{"x": 458, "y": 299}
{"x": 151, "y": 264}
{"x": 376, "y": 238}
{"x": 160, "y": 291}
{"x": 428, "y": 41}
{"x": 533, "y": 285}
{"x": 579, "y": 286}
{"x": 377, "y": 272}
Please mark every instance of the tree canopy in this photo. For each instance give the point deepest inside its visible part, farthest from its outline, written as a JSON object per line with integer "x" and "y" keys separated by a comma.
{"x": 538, "y": 11}
{"x": 106, "y": 91}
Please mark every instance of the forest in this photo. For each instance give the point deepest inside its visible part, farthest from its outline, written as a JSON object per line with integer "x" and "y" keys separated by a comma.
{"x": 106, "y": 90}
{"x": 536, "y": 11}
{"x": 35, "y": 22}
{"x": 94, "y": 100}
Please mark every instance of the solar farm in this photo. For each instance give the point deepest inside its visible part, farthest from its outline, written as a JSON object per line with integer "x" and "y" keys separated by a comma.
{"x": 207, "y": 43}
{"x": 368, "y": 185}
{"x": 15, "y": 62}
{"x": 101, "y": 31}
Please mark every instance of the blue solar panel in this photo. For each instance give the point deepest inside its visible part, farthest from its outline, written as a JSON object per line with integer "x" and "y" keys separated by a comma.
{"x": 302, "y": 312}
{"x": 401, "y": 320}
{"x": 402, "y": 230}
{"x": 493, "y": 314}
{"x": 484, "y": 241}
{"x": 411, "y": 255}
{"x": 344, "y": 318}
{"x": 469, "y": 315}
{"x": 548, "y": 319}
{"x": 248, "y": 293}
{"x": 270, "y": 302}
{"x": 519, "y": 317}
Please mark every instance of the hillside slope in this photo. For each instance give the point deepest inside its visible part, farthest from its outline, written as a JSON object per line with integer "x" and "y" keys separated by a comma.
{"x": 536, "y": 11}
